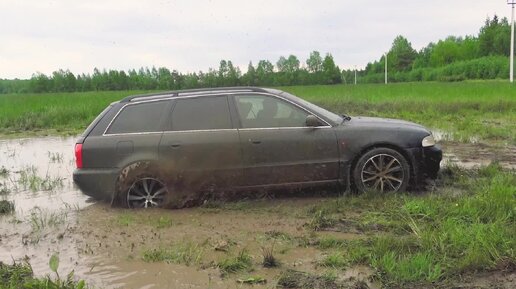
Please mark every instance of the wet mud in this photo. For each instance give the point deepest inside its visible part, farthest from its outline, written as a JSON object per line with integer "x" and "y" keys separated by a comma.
{"x": 107, "y": 246}
{"x": 471, "y": 155}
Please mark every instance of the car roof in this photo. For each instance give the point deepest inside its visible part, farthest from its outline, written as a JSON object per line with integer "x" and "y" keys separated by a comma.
{"x": 201, "y": 91}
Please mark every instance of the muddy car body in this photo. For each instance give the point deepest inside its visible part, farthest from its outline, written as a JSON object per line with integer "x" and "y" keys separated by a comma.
{"x": 174, "y": 147}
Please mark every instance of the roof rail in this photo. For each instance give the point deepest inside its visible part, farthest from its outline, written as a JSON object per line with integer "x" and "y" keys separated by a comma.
{"x": 193, "y": 91}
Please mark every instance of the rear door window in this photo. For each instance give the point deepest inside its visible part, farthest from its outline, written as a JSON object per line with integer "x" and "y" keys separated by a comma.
{"x": 201, "y": 113}
{"x": 138, "y": 118}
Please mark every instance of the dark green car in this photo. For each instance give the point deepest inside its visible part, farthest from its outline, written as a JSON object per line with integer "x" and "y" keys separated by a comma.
{"x": 172, "y": 148}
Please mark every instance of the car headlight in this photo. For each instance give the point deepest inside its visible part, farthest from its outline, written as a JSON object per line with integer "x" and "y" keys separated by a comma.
{"x": 428, "y": 141}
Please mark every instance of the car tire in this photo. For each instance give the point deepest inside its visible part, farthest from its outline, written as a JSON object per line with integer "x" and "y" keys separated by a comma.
{"x": 381, "y": 170}
{"x": 141, "y": 185}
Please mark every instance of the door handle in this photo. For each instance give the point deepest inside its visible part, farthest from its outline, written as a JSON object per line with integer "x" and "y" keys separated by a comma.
{"x": 255, "y": 141}
{"x": 175, "y": 145}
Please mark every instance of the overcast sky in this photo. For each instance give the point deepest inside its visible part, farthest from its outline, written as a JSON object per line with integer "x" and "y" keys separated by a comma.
{"x": 43, "y": 36}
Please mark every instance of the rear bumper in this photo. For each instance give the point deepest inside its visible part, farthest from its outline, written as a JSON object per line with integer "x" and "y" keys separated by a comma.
{"x": 427, "y": 161}
{"x": 96, "y": 183}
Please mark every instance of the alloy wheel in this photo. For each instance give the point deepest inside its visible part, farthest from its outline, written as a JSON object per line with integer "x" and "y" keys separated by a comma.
{"x": 382, "y": 173}
{"x": 146, "y": 193}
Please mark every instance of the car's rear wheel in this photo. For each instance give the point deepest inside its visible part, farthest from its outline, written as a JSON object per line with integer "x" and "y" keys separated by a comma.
{"x": 141, "y": 185}
{"x": 381, "y": 170}
{"x": 147, "y": 193}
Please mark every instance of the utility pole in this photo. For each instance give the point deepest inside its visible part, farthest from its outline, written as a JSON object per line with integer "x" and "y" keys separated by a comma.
{"x": 511, "y": 53}
{"x": 386, "y": 68}
{"x": 355, "y": 75}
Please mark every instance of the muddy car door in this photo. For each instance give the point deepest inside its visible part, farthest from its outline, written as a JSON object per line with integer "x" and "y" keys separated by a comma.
{"x": 201, "y": 148}
{"x": 277, "y": 145}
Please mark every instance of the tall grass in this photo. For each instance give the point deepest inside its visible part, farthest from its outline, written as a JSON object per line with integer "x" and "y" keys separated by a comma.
{"x": 62, "y": 112}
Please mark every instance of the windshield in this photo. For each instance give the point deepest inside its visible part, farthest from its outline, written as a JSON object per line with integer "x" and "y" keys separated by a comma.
{"x": 336, "y": 119}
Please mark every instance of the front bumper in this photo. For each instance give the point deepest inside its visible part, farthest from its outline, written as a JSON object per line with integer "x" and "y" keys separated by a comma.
{"x": 427, "y": 162}
{"x": 96, "y": 183}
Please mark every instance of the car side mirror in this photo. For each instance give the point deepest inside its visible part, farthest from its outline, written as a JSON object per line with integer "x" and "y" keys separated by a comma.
{"x": 312, "y": 121}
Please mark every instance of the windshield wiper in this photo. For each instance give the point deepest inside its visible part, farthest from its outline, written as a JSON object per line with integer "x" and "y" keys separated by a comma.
{"x": 345, "y": 118}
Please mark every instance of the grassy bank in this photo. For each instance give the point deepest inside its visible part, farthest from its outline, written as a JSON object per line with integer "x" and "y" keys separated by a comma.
{"x": 483, "y": 110}
{"x": 466, "y": 225}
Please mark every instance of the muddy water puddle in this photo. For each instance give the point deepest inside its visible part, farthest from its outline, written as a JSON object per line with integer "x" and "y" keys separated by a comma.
{"x": 111, "y": 248}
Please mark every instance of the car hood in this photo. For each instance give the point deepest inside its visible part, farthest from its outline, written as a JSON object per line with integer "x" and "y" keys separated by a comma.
{"x": 384, "y": 122}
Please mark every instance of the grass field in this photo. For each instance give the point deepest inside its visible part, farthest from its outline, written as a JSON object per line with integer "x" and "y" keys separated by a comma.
{"x": 465, "y": 111}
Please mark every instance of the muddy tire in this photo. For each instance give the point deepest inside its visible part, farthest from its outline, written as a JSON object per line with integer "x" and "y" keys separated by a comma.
{"x": 141, "y": 185}
{"x": 381, "y": 170}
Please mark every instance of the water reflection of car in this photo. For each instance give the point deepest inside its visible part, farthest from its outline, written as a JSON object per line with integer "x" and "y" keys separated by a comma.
{"x": 175, "y": 147}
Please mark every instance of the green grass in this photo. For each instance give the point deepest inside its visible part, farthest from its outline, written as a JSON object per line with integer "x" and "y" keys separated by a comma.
{"x": 240, "y": 262}
{"x": 335, "y": 260}
{"x": 40, "y": 219}
{"x": 330, "y": 242}
{"x": 53, "y": 112}
{"x": 478, "y": 110}
{"x": 186, "y": 253}
{"x": 20, "y": 275}
{"x": 321, "y": 219}
{"x": 30, "y": 179}
{"x": 483, "y": 110}
{"x": 436, "y": 236}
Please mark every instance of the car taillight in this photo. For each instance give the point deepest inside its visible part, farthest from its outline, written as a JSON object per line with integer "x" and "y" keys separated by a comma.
{"x": 78, "y": 155}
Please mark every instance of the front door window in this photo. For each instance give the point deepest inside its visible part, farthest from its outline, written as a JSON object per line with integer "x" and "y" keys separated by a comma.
{"x": 260, "y": 111}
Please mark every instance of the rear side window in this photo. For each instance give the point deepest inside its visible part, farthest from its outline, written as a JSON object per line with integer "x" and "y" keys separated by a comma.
{"x": 201, "y": 113}
{"x": 95, "y": 121}
{"x": 142, "y": 117}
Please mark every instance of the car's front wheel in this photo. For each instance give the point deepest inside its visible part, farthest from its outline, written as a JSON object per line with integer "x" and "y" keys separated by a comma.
{"x": 381, "y": 170}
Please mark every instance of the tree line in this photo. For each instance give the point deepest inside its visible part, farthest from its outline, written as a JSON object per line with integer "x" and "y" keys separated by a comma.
{"x": 287, "y": 71}
{"x": 484, "y": 56}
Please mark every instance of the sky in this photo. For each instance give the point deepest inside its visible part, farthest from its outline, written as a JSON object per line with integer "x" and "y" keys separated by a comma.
{"x": 80, "y": 35}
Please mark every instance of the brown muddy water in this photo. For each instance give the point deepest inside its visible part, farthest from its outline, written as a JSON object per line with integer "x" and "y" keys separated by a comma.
{"x": 106, "y": 246}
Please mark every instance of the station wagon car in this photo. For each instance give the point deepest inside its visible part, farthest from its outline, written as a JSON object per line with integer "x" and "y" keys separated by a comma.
{"x": 172, "y": 148}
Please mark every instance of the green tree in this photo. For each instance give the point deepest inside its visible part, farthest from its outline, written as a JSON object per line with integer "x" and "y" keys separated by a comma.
{"x": 264, "y": 72}
{"x": 331, "y": 72}
{"x": 494, "y": 37}
{"x": 290, "y": 64}
{"x": 39, "y": 82}
{"x": 249, "y": 78}
{"x": 401, "y": 55}
{"x": 314, "y": 62}
{"x": 445, "y": 52}
{"x": 233, "y": 74}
